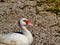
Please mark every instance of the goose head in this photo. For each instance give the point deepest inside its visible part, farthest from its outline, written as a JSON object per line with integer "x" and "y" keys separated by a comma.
{"x": 24, "y": 22}
{"x": 25, "y": 31}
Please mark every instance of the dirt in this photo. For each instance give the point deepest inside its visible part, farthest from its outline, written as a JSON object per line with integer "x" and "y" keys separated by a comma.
{"x": 46, "y": 24}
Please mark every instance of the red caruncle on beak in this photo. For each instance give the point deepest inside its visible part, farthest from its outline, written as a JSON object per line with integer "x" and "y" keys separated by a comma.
{"x": 26, "y": 21}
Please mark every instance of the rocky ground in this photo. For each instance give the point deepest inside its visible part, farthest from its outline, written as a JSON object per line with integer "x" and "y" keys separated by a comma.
{"x": 46, "y": 25}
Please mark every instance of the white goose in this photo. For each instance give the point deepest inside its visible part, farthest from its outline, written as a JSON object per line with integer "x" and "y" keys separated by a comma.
{"x": 16, "y": 38}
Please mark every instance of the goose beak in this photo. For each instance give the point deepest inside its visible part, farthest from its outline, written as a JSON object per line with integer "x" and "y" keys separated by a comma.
{"x": 30, "y": 24}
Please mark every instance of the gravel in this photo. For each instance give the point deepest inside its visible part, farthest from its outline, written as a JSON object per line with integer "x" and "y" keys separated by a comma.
{"x": 45, "y": 30}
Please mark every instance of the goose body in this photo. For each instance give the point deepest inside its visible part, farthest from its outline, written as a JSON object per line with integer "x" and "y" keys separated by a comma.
{"x": 17, "y": 38}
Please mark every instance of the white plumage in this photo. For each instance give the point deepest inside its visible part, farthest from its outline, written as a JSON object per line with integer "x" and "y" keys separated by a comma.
{"x": 16, "y": 38}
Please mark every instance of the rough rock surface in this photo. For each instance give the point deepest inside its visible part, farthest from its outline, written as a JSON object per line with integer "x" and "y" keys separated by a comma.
{"x": 46, "y": 29}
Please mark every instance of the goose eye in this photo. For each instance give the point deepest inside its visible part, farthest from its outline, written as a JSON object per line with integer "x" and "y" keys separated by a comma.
{"x": 26, "y": 21}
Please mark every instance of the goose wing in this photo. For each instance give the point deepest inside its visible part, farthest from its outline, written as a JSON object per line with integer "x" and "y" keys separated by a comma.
{"x": 6, "y": 39}
{"x": 7, "y": 42}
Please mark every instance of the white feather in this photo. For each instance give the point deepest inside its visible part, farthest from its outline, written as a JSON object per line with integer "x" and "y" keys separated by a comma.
{"x": 16, "y": 38}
